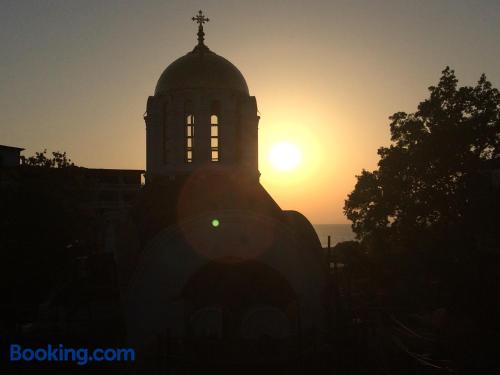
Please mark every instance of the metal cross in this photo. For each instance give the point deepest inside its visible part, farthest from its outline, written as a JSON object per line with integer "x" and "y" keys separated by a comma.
{"x": 200, "y": 19}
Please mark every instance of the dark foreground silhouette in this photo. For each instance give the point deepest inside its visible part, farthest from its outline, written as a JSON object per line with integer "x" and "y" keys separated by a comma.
{"x": 417, "y": 294}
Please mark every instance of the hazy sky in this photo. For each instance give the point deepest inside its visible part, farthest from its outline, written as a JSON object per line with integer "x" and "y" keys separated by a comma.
{"x": 75, "y": 76}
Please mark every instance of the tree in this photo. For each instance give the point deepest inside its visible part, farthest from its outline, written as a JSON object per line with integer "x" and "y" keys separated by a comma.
{"x": 425, "y": 211}
{"x": 59, "y": 160}
{"x": 425, "y": 189}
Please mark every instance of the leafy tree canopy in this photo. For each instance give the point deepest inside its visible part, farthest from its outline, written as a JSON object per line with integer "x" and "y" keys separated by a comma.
{"x": 58, "y": 160}
{"x": 429, "y": 179}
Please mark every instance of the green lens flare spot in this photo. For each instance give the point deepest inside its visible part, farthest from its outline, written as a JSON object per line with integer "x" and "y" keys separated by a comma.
{"x": 215, "y": 223}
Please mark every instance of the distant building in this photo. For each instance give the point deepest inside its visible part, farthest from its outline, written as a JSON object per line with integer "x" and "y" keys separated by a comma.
{"x": 111, "y": 192}
{"x": 85, "y": 301}
{"x": 10, "y": 156}
{"x": 114, "y": 192}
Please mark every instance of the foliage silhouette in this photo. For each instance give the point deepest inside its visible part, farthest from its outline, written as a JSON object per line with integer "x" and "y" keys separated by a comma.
{"x": 427, "y": 218}
{"x": 59, "y": 160}
{"x": 430, "y": 179}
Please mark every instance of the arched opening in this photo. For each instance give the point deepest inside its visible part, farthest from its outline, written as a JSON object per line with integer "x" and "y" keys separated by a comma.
{"x": 214, "y": 138}
{"x": 248, "y": 296}
{"x": 215, "y": 155}
{"x": 189, "y": 138}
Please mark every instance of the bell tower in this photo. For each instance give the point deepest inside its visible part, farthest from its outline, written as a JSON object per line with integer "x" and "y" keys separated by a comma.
{"x": 201, "y": 116}
{"x": 205, "y": 242}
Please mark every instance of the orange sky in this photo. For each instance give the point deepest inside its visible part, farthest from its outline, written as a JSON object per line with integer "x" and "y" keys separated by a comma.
{"x": 75, "y": 76}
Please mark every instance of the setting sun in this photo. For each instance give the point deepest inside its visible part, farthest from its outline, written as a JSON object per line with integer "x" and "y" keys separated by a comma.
{"x": 285, "y": 156}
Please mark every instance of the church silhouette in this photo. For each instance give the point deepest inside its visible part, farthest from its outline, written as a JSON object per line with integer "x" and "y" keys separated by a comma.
{"x": 210, "y": 267}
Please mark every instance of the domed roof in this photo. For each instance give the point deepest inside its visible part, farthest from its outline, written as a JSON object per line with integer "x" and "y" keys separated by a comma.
{"x": 201, "y": 68}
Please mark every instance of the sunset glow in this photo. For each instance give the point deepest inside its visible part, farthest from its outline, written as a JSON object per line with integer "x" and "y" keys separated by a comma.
{"x": 285, "y": 156}
{"x": 299, "y": 187}
{"x": 329, "y": 93}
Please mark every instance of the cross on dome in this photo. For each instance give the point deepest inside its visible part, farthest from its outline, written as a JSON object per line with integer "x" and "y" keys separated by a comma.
{"x": 200, "y": 19}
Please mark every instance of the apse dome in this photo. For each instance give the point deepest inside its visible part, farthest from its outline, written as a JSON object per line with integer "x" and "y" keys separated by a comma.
{"x": 201, "y": 69}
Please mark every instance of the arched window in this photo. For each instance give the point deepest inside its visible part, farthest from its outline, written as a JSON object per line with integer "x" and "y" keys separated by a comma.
{"x": 189, "y": 138}
{"x": 214, "y": 138}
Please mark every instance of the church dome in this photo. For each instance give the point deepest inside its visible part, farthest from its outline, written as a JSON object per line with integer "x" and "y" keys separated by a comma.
{"x": 201, "y": 69}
